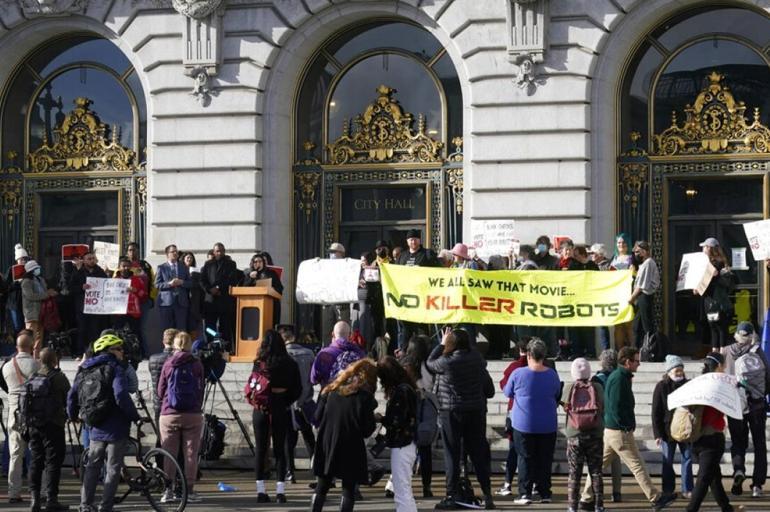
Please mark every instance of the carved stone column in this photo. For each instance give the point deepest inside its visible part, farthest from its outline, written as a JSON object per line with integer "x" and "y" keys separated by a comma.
{"x": 527, "y": 22}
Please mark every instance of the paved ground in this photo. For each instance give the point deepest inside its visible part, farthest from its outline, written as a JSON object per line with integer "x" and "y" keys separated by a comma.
{"x": 299, "y": 496}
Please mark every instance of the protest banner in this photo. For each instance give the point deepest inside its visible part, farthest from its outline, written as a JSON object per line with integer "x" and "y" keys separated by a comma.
{"x": 106, "y": 296}
{"x": 71, "y": 251}
{"x": 107, "y": 254}
{"x": 717, "y": 390}
{"x": 328, "y": 281}
{"x": 538, "y": 297}
{"x": 695, "y": 272}
{"x": 490, "y": 237}
{"x": 758, "y": 235}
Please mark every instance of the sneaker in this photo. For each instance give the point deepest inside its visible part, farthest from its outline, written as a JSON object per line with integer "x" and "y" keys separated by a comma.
{"x": 505, "y": 490}
{"x": 588, "y": 506}
{"x": 389, "y": 493}
{"x": 280, "y": 498}
{"x": 756, "y": 492}
{"x": 290, "y": 477}
{"x": 168, "y": 496}
{"x": 545, "y": 500}
{"x": 737, "y": 488}
{"x": 522, "y": 500}
{"x": 448, "y": 503}
{"x": 193, "y": 497}
{"x": 687, "y": 495}
{"x": 664, "y": 501}
{"x": 261, "y": 498}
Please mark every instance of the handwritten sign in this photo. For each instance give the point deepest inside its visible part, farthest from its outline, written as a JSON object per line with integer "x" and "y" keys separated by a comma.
{"x": 717, "y": 390}
{"x": 107, "y": 254}
{"x": 490, "y": 237}
{"x": 328, "y": 281}
{"x": 758, "y": 235}
{"x": 695, "y": 272}
{"x": 106, "y": 296}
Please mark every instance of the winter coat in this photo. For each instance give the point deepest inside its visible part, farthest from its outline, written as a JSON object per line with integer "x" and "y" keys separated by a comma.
{"x": 155, "y": 365}
{"x": 661, "y": 415}
{"x": 400, "y": 420}
{"x": 345, "y": 422}
{"x": 60, "y": 386}
{"x": 174, "y": 361}
{"x": 421, "y": 258}
{"x": 33, "y": 292}
{"x": 716, "y": 298}
{"x": 321, "y": 372}
{"x": 117, "y": 426}
{"x": 304, "y": 358}
{"x": 465, "y": 383}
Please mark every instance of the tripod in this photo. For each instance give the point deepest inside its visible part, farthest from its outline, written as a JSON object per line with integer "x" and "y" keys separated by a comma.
{"x": 212, "y": 383}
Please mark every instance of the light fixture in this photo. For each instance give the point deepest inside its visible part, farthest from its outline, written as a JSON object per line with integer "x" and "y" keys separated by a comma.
{"x": 432, "y": 131}
{"x": 690, "y": 192}
{"x": 332, "y": 103}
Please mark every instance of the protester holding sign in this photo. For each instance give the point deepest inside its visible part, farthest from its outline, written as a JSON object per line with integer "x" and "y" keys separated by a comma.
{"x": 89, "y": 326}
{"x": 717, "y": 308}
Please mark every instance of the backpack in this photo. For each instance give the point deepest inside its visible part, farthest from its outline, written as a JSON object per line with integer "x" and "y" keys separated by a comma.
{"x": 344, "y": 359}
{"x": 427, "y": 419}
{"x": 183, "y": 388}
{"x": 213, "y": 442}
{"x": 654, "y": 348}
{"x": 686, "y": 423}
{"x": 583, "y": 413}
{"x": 96, "y": 396}
{"x": 750, "y": 371}
{"x": 35, "y": 404}
{"x": 257, "y": 389}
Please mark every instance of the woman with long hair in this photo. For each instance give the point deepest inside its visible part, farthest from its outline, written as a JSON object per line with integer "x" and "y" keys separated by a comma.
{"x": 257, "y": 271}
{"x": 717, "y": 307}
{"x": 345, "y": 415}
{"x": 400, "y": 422}
{"x": 197, "y": 293}
{"x": 272, "y": 422}
{"x": 623, "y": 259}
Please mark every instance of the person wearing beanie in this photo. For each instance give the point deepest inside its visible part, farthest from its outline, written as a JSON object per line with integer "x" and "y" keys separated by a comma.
{"x": 661, "y": 428}
{"x": 13, "y": 292}
{"x": 34, "y": 291}
{"x": 608, "y": 360}
{"x": 585, "y": 444}
{"x": 745, "y": 359}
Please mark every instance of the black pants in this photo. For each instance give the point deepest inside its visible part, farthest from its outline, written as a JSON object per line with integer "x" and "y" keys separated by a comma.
{"x": 324, "y": 483}
{"x": 581, "y": 341}
{"x": 222, "y": 320}
{"x": 426, "y": 464}
{"x": 535, "y": 453}
{"x": 292, "y": 436}
{"x": 89, "y": 328}
{"x": 643, "y": 319}
{"x": 718, "y": 330}
{"x": 754, "y": 422}
{"x": 47, "y": 448}
{"x": 708, "y": 451}
{"x": 465, "y": 430}
{"x": 267, "y": 425}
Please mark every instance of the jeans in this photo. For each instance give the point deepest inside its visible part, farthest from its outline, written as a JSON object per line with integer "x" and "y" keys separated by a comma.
{"x": 535, "y": 453}
{"x": 708, "y": 452}
{"x": 754, "y": 422}
{"x": 401, "y": 462}
{"x": 97, "y": 452}
{"x": 267, "y": 425}
{"x": 668, "y": 449}
{"x": 465, "y": 430}
{"x": 604, "y": 337}
{"x": 48, "y": 448}
{"x": 185, "y": 429}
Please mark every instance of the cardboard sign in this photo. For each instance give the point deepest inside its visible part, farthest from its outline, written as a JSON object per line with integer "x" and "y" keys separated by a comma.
{"x": 717, "y": 390}
{"x": 107, "y": 254}
{"x": 71, "y": 251}
{"x": 328, "y": 281}
{"x": 490, "y": 237}
{"x": 758, "y": 235}
{"x": 17, "y": 271}
{"x": 695, "y": 272}
{"x": 106, "y": 296}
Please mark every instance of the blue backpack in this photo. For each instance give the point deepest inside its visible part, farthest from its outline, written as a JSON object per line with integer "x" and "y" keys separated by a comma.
{"x": 183, "y": 388}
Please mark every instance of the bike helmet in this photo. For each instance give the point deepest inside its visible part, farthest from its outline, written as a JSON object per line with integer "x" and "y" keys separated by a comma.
{"x": 106, "y": 341}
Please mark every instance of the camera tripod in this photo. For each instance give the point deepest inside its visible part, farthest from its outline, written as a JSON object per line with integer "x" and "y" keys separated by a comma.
{"x": 212, "y": 383}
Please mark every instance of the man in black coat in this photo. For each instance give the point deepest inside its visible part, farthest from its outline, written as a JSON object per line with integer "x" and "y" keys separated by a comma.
{"x": 217, "y": 276}
{"x": 89, "y": 326}
{"x": 415, "y": 256}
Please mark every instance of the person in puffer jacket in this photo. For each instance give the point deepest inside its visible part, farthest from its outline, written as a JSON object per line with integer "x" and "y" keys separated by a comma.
{"x": 336, "y": 357}
{"x": 155, "y": 365}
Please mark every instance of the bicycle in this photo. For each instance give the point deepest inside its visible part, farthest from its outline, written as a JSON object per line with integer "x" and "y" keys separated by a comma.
{"x": 147, "y": 475}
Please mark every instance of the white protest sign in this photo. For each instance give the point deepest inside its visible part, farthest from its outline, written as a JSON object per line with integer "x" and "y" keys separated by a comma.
{"x": 695, "y": 272}
{"x": 758, "y": 235}
{"x": 717, "y": 390}
{"x": 107, "y": 254}
{"x": 328, "y": 281}
{"x": 490, "y": 237}
{"x": 106, "y": 296}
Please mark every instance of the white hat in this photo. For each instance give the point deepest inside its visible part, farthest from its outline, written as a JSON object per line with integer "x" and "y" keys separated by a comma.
{"x": 581, "y": 369}
{"x": 336, "y": 247}
{"x": 19, "y": 252}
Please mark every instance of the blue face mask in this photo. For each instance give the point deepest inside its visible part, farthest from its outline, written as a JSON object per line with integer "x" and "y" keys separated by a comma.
{"x": 36, "y": 271}
{"x": 542, "y": 249}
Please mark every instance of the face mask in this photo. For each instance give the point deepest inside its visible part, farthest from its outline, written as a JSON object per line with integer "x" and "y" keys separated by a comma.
{"x": 677, "y": 379}
{"x": 36, "y": 271}
{"x": 333, "y": 256}
{"x": 541, "y": 249}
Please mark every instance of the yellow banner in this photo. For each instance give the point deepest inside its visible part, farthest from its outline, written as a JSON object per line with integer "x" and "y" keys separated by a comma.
{"x": 538, "y": 297}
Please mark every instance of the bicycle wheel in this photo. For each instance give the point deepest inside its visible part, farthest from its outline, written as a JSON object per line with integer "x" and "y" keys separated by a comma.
{"x": 164, "y": 491}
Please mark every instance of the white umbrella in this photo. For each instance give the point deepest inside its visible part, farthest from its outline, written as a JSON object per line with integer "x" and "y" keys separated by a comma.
{"x": 717, "y": 390}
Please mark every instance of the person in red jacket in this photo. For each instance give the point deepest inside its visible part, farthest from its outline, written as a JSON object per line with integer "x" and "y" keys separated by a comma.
{"x": 137, "y": 293}
{"x": 512, "y": 461}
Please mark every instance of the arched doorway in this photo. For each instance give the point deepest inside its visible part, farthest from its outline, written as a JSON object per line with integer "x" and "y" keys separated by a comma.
{"x": 694, "y": 104}
{"x": 377, "y": 143}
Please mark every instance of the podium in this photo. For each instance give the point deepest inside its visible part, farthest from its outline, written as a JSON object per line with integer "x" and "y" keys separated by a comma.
{"x": 254, "y": 316}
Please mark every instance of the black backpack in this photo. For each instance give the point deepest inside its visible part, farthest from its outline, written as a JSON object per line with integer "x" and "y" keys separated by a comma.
{"x": 654, "y": 348}
{"x": 35, "y": 404}
{"x": 213, "y": 442}
{"x": 96, "y": 396}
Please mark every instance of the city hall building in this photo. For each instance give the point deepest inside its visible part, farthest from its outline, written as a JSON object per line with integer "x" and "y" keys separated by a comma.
{"x": 286, "y": 125}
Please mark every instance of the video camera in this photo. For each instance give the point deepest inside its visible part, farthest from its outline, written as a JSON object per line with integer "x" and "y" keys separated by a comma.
{"x": 132, "y": 349}
{"x": 61, "y": 342}
{"x": 211, "y": 354}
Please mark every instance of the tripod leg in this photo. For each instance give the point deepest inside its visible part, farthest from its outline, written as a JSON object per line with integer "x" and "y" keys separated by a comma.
{"x": 237, "y": 418}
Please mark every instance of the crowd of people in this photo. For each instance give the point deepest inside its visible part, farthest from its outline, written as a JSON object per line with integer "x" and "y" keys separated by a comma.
{"x": 434, "y": 384}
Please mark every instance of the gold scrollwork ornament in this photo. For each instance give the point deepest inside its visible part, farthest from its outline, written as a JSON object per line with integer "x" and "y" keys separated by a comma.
{"x": 306, "y": 186}
{"x": 633, "y": 177}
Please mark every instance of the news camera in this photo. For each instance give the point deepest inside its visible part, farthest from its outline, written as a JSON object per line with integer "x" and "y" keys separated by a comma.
{"x": 211, "y": 354}
{"x": 132, "y": 348}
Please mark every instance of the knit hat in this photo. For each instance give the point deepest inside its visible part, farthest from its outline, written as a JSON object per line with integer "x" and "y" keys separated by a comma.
{"x": 30, "y": 266}
{"x": 19, "y": 252}
{"x": 744, "y": 333}
{"x": 609, "y": 359}
{"x": 672, "y": 362}
{"x": 581, "y": 369}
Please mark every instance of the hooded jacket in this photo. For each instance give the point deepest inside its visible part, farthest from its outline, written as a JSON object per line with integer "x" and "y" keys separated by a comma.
{"x": 117, "y": 426}
{"x": 177, "y": 359}
{"x": 321, "y": 372}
